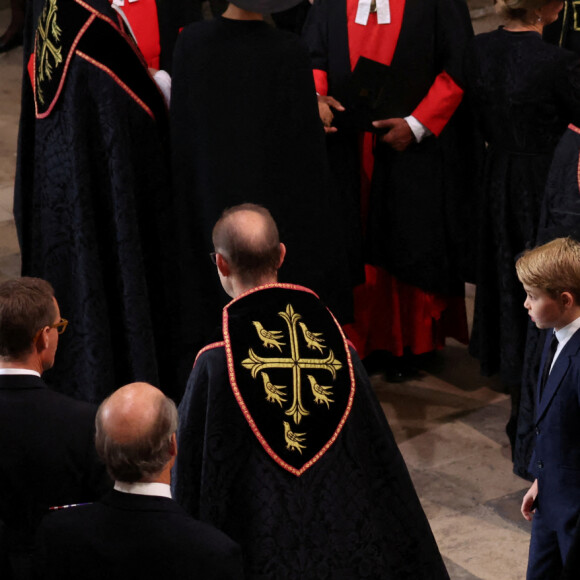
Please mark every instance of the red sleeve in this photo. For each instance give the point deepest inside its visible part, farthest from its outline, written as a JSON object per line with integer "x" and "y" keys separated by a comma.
{"x": 436, "y": 108}
{"x": 143, "y": 19}
{"x": 320, "y": 81}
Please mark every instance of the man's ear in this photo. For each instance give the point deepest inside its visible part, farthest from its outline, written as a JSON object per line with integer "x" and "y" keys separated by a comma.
{"x": 222, "y": 265}
{"x": 173, "y": 446}
{"x": 282, "y": 255}
{"x": 41, "y": 340}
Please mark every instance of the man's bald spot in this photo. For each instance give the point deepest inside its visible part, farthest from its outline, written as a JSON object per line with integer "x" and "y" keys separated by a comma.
{"x": 248, "y": 228}
{"x": 130, "y": 412}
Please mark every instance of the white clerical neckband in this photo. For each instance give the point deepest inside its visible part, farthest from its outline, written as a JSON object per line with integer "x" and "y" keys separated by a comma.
{"x": 381, "y": 7}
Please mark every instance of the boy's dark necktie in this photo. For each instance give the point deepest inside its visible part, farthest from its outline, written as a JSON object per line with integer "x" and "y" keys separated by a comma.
{"x": 547, "y": 366}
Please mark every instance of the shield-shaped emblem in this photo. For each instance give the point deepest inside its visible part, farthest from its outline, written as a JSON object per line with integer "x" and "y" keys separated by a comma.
{"x": 290, "y": 370}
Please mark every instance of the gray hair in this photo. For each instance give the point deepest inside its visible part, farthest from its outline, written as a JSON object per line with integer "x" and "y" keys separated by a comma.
{"x": 519, "y": 9}
{"x": 143, "y": 458}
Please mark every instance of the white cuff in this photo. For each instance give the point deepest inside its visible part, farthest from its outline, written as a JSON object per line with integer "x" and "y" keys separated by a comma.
{"x": 163, "y": 81}
{"x": 418, "y": 129}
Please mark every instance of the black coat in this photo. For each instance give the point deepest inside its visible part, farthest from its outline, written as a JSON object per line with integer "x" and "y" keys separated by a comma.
{"x": 48, "y": 456}
{"x": 126, "y": 536}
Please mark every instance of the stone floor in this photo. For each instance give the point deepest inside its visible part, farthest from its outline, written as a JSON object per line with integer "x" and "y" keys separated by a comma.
{"x": 449, "y": 421}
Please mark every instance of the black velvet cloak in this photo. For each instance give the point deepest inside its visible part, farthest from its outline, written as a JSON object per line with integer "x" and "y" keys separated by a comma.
{"x": 245, "y": 128}
{"x": 352, "y": 513}
{"x": 93, "y": 207}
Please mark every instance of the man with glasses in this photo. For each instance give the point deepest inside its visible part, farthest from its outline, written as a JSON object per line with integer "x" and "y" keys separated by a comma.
{"x": 48, "y": 454}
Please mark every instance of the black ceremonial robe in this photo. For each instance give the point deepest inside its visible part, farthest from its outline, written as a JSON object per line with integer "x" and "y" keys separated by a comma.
{"x": 245, "y": 128}
{"x": 92, "y": 201}
{"x": 328, "y": 495}
{"x": 420, "y": 213}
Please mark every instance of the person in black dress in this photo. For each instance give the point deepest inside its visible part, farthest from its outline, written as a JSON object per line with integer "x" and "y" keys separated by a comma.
{"x": 245, "y": 128}
{"x": 523, "y": 92}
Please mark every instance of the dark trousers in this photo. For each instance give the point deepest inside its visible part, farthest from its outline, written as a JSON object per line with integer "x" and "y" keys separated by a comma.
{"x": 548, "y": 549}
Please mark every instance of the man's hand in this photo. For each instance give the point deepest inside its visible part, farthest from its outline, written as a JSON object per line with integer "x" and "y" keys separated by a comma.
{"x": 399, "y": 136}
{"x": 325, "y": 106}
{"x": 527, "y": 508}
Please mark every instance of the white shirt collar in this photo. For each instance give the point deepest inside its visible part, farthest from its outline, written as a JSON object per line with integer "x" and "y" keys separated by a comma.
{"x": 141, "y": 488}
{"x": 11, "y": 371}
{"x": 364, "y": 9}
{"x": 565, "y": 334}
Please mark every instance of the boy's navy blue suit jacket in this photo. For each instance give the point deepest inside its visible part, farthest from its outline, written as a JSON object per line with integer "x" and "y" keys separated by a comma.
{"x": 556, "y": 458}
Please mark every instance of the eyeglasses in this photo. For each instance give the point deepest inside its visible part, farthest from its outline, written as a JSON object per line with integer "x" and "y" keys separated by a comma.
{"x": 60, "y": 325}
{"x": 213, "y": 258}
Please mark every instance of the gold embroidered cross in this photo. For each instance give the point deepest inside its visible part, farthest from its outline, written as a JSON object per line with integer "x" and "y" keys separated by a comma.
{"x": 295, "y": 362}
{"x": 47, "y": 37}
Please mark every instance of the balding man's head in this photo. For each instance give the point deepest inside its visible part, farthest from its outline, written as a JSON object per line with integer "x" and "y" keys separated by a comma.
{"x": 247, "y": 236}
{"x": 134, "y": 433}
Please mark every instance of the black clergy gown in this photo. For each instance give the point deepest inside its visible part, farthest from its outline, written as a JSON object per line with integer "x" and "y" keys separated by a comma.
{"x": 245, "y": 128}
{"x": 414, "y": 203}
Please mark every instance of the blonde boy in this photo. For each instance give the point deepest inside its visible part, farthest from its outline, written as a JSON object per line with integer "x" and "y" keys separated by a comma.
{"x": 550, "y": 275}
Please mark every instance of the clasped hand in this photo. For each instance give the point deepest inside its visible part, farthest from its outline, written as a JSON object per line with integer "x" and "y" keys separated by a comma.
{"x": 399, "y": 135}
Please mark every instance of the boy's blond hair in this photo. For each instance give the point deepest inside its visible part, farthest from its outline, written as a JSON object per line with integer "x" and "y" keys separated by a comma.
{"x": 553, "y": 267}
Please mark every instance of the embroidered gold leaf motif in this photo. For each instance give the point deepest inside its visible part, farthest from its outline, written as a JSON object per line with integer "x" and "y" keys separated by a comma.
{"x": 293, "y": 440}
{"x": 297, "y": 363}
{"x": 48, "y": 49}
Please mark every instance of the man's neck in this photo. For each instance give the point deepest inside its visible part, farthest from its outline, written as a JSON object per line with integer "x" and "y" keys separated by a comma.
{"x": 240, "y": 287}
{"x": 234, "y": 12}
{"x": 29, "y": 364}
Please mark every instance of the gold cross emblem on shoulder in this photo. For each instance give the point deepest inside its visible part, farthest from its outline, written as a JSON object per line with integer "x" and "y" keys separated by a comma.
{"x": 298, "y": 333}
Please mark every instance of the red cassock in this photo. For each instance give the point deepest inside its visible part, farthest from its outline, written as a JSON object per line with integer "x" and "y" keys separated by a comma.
{"x": 402, "y": 305}
{"x": 144, "y": 22}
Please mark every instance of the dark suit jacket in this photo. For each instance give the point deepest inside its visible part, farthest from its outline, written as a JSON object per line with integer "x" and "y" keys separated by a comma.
{"x": 48, "y": 456}
{"x": 556, "y": 459}
{"x": 129, "y": 536}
